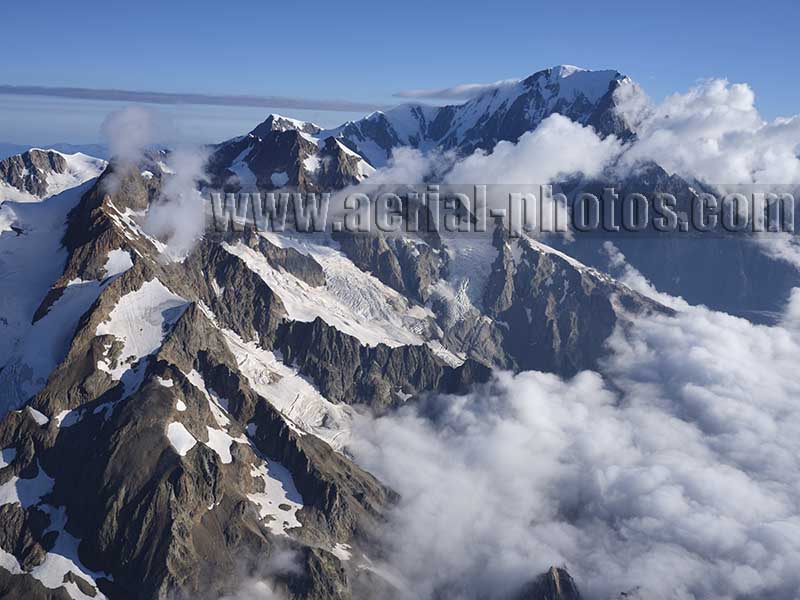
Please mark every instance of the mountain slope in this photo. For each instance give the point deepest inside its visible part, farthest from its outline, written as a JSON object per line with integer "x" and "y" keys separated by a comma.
{"x": 149, "y": 380}
{"x": 199, "y": 410}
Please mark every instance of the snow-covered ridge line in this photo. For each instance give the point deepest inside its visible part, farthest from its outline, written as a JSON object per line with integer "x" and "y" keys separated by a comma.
{"x": 20, "y": 175}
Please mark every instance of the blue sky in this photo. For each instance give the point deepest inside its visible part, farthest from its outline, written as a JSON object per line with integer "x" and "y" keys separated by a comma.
{"x": 366, "y": 52}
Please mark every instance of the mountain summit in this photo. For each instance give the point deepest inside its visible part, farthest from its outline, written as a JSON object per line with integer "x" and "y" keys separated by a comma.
{"x": 347, "y": 154}
{"x": 501, "y": 113}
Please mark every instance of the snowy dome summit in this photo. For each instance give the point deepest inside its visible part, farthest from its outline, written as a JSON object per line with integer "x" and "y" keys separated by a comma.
{"x": 501, "y": 111}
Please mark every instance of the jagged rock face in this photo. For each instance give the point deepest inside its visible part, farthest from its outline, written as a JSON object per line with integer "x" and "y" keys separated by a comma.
{"x": 274, "y": 147}
{"x": 339, "y": 166}
{"x": 556, "y": 584}
{"x": 252, "y": 161}
{"x": 168, "y": 511}
{"x": 158, "y": 453}
{"x": 345, "y": 371}
{"x": 280, "y": 123}
{"x": 37, "y": 174}
{"x": 239, "y": 298}
{"x": 282, "y": 153}
{"x": 93, "y": 226}
{"x": 28, "y": 171}
{"x": 406, "y": 265}
{"x": 556, "y": 314}
{"x": 539, "y": 308}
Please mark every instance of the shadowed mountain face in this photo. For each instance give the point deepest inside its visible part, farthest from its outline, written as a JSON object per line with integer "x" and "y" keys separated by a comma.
{"x": 748, "y": 281}
{"x": 168, "y": 424}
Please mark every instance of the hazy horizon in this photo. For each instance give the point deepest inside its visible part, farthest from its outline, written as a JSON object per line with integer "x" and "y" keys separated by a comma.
{"x": 43, "y": 120}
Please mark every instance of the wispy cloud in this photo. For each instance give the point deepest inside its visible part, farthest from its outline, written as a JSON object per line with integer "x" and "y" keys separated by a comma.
{"x": 462, "y": 91}
{"x": 181, "y": 98}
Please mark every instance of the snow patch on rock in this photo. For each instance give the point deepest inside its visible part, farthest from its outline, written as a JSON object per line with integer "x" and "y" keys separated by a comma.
{"x": 280, "y": 500}
{"x": 140, "y": 321}
{"x": 180, "y": 438}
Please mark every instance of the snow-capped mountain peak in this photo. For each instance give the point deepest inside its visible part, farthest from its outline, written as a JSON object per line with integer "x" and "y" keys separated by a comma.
{"x": 502, "y": 112}
{"x": 574, "y": 81}
{"x": 276, "y": 122}
{"x": 37, "y": 173}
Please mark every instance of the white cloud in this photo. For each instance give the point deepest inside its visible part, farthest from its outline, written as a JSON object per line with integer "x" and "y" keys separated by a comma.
{"x": 179, "y": 215}
{"x": 780, "y": 246}
{"x": 557, "y": 147}
{"x": 129, "y": 131}
{"x": 675, "y": 470}
{"x": 7, "y": 218}
{"x": 463, "y": 91}
{"x": 264, "y": 582}
{"x": 406, "y": 166}
{"x": 713, "y": 133}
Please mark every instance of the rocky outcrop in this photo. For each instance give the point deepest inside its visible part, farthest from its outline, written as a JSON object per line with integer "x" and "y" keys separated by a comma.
{"x": 282, "y": 153}
{"x": 346, "y": 371}
{"x": 105, "y": 219}
{"x": 290, "y": 260}
{"x": 555, "y": 314}
{"x": 162, "y": 522}
{"x": 407, "y": 265}
{"x": 555, "y": 584}
{"x": 339, "y": 165}
{"x": 28, "y": 171}
{"x": 238, "y": 297}
{"x": 372, "y": 253}
{"x": 37, "y": 174}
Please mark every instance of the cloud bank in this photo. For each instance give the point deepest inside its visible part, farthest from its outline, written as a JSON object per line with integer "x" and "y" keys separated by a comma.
{"x": 713, "y": 133}
{"x": 672, "y": 473}
{"x": 556, "y": 148}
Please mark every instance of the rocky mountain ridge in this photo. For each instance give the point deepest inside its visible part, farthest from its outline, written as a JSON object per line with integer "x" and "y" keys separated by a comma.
{"x": 36, "y": 174}
{"x": 169, "y": 421}
{"x": 232, "y": 459}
